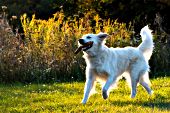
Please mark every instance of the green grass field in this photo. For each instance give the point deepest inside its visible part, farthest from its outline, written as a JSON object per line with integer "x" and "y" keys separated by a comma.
{"x": 66, "y": 97}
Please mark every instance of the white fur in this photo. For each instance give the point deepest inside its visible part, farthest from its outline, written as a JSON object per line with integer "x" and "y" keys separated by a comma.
{"x": 107, "y": 65}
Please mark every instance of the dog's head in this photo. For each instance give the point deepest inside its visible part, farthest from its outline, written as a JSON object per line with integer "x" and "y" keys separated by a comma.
{"x": 91, "y": 42}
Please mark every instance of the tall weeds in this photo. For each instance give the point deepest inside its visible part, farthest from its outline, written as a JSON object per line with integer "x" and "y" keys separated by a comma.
{"x": 47, "y": 51}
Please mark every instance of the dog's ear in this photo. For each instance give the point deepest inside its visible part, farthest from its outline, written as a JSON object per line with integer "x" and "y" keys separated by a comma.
{"x": 102, "y": 35}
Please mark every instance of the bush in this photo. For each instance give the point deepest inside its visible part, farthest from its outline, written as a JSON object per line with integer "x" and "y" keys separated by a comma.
{"x": 46, "y": 53}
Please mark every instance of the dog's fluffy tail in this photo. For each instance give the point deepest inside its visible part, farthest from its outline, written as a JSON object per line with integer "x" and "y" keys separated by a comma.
{"x": 147, "y": 42}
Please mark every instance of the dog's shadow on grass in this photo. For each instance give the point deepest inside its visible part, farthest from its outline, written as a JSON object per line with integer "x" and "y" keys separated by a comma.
{"x": 159, "y": 102}
{"x": 160, "y": 105}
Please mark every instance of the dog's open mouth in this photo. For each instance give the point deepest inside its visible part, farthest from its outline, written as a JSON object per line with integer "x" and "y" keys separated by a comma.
{"x": 84, "y": 47}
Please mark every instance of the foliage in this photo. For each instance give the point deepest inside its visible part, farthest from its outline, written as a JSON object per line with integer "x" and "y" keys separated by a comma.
{"x": 46, "y": 53}
{"x": 66, "y": 97}
{"x": 139, "y": 12}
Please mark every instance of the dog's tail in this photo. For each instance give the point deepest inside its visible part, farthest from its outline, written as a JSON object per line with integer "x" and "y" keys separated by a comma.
{"x": 147, "y": 42}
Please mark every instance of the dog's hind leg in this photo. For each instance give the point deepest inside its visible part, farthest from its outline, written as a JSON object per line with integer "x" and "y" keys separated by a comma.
{"x": 133, "y": 87}
{"x": 87, "y": 89}
{"x": 144, "y": 81}
{"x": 134, "y": 81}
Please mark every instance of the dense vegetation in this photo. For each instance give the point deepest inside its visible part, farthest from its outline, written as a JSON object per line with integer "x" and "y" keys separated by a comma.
{"x": 39, "y": 46}
{"x": 140, "y": 12}
{"x": 47, "y": 52}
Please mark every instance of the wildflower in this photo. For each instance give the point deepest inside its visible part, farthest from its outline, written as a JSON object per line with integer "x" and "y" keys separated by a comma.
{"x": 8, "y": 29}
{"x": 4, "y": 8}
{"x": 61, "y": 7}
{"x": 14, "y": 17}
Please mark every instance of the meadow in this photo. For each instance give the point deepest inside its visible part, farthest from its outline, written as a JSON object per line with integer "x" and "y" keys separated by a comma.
{"x": 66, "y": 97}
{"x": 38, "y": 68}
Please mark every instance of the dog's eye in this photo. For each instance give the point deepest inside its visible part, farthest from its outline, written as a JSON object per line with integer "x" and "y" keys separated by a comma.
{"x": 88, "y": 37}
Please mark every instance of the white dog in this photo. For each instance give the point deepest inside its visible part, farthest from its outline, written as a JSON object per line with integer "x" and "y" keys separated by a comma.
{"x": 107, "y": 65}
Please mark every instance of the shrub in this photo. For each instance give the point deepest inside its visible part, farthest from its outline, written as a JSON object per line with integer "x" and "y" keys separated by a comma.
{"x": 46, "y": 53}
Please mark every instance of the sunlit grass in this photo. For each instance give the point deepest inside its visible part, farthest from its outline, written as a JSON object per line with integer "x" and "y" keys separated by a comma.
{"x": 66, "y": 97}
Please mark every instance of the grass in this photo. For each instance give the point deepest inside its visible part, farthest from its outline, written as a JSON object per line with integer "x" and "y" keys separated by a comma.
{"x": 66, "y": 97}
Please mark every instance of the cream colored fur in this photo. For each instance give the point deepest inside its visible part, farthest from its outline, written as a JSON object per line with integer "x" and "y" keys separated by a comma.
{"x": 107, "y": 65}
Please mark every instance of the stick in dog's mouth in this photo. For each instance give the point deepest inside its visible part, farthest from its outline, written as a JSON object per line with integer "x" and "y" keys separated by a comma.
{"x": 84, "y": 47}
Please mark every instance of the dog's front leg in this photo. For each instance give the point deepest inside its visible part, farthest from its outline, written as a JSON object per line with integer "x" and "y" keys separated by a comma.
{"x": 107, "y": 85}
{"x": 88, "y": 86}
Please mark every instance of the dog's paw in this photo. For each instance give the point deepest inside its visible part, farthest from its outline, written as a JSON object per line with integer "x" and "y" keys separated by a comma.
{"x": 132, "y": 96}
{"x": 83, "y": 102}
{"x": 151, "y": 92}
{"x": 104, "y": 94}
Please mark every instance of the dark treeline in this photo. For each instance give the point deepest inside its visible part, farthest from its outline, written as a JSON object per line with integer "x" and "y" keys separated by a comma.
{"x": 140, "y": 12}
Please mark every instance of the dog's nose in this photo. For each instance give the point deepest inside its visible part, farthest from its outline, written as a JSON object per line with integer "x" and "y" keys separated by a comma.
{"x": 81, "y": 41}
